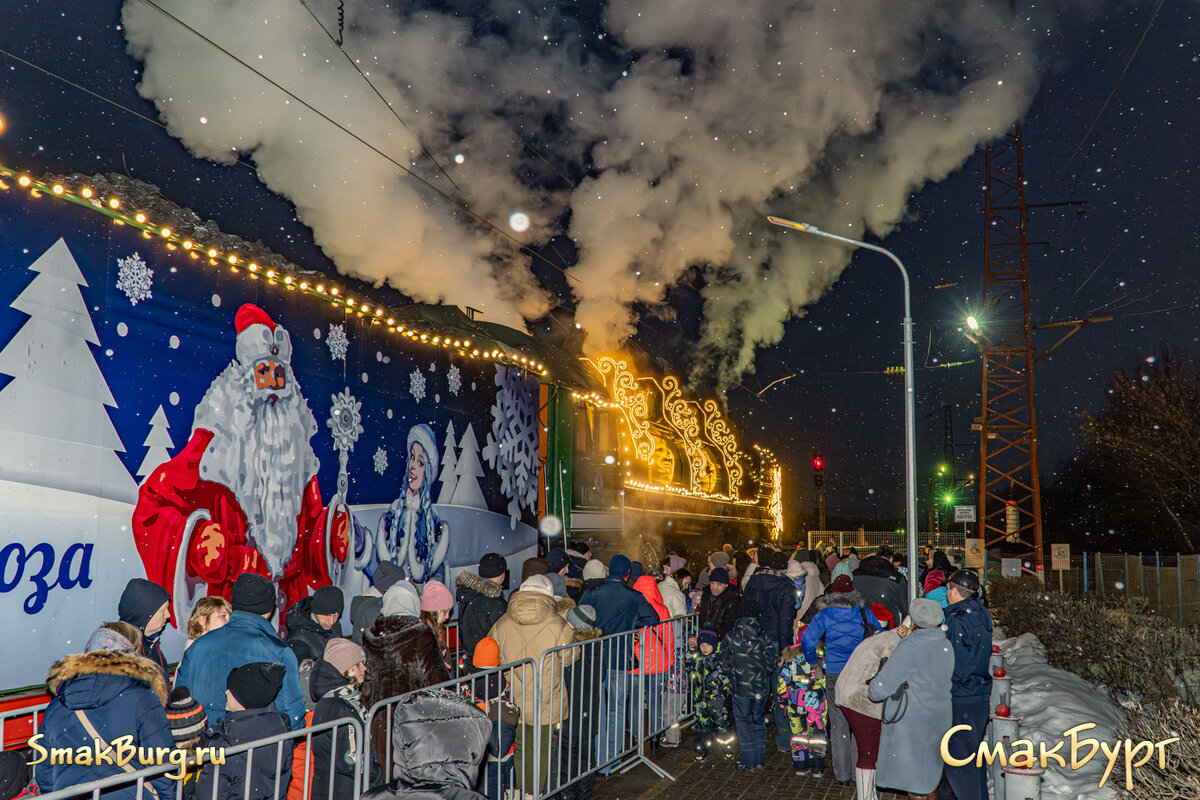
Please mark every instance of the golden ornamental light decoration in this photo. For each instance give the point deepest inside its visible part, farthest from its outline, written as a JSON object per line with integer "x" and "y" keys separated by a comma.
{"x": 723, "y": 439}
{"x": 683, "y": 420}
{"x": 775, "y": 505}
{"x": 633, "y": 402}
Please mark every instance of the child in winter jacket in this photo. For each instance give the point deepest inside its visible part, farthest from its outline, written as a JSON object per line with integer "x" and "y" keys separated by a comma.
{"x": 249, "y": 700}
{"x": 493, "y": 697}
{"x": 710, "y": 697}
{"x": 749, "y": 656}
{"x": 802, "y": 696}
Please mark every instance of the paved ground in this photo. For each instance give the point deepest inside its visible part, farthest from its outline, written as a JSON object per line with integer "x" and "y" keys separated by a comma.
{"x": 720, "y": 781}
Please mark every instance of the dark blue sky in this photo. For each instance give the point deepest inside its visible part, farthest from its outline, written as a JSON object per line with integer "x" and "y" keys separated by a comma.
{"x": 1120, "y": 139}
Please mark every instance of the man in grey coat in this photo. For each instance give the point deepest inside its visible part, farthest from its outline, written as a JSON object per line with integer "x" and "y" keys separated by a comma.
{"x": 914, "y": 686}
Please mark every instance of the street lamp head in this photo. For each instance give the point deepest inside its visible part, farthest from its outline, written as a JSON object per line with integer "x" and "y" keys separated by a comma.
{"x": 972, "y": 323}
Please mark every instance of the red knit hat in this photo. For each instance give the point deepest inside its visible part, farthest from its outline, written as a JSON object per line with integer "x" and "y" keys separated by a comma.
{"x": 883, "y": 615}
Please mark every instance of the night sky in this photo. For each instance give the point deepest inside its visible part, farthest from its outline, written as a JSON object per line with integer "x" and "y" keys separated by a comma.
{"x": 1112, "y": 123}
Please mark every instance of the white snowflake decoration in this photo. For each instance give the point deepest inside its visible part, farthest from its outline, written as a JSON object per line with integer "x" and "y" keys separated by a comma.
{"x": 345, "y": 420}
{"x": 380, "y": 460}
{"x": 512, "y": 443}
{"x": 416, "y": 385}
{"x": 134, "y": 278}
{"x": 454, "y": 378}
{"x": 337, "y": 342}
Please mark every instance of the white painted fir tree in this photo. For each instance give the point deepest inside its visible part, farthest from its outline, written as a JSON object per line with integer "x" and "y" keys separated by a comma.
{"x": 449, "y": 464}
{"x": 467, "y": 491}
{"x": 159, "y": 442}
{"x": 54, "y": 428}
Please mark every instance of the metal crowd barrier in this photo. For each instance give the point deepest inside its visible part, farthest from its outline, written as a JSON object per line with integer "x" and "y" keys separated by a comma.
{"x": 18, "y": 725}
{"x": 142, "y": 780}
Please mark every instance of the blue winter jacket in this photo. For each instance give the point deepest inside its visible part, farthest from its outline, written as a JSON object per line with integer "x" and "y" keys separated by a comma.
{"x": 619, "y": 609}
{"x": 245, "y": 639}
{"x": 121, "y": 695}
{"x": 969, "y": 629}
{"x": 776, "y": 597}
{"x": 840, "y": 620}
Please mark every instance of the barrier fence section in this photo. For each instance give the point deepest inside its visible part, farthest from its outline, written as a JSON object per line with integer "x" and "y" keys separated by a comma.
{"x": 259, "y": 768}
{"x": 867, "y": 542}
{"x": 1169, "y": 582}
{"x": 18, "y": 725}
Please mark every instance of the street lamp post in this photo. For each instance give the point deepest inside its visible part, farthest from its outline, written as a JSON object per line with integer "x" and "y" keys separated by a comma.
{"x": 910, "y": 425}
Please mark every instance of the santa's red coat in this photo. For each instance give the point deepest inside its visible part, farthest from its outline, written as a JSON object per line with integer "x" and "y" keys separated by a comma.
{"x": 169, "y": 515}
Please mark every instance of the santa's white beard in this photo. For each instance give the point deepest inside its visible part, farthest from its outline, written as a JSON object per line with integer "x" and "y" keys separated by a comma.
{"x": 261, "y": 452}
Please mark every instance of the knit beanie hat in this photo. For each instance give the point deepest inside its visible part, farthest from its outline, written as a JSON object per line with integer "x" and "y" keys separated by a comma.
{"x": 619, "y": 566}
{"x": 327, "y": 600}
{"x": 841, "y": 585}
{"x": 594, "y": 570}
{"x": 719, "y": 559}
{"x": 140, "y": 601}
{"x": 636, "y": 570}
{"x": 387, "y": 574}
{"x": 793, "y": 569}
{"x": 719, "y": 575}
{"x": 436, "y": 597}
{"x": 556, "y": 559}
{"x": 582, "y": 617}
{"x": 533, "y": 566}
{"x": 487, "y": 653}
{"x": 925, "y": 613}
{"x": 675, "y": 562}
{"x": 343, "y": 654}
{"x": 842, "y": 568}
{"x": 708, "y": 636}
{"x": 579, "y": 547}
{"x": 120, "y": 637}
{"x": 492, "y": 565}
{"x": 934, "y": 579}
{"x": 186, "y": 716}
{"x": 255, "y": 685}
{"x": 402, "y": 599}
{"x": 253, "y": 593}
{"x": 538, "y": 583}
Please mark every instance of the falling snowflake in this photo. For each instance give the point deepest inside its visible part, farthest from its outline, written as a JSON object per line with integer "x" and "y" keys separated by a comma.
{"x": 454, "y": 378}
{"x": 416, "y": 385}
{"x": 134, "y": 278}
{"x": 512, "y": 443}
{"x": 337, "y": 342}
{"x": 380, "y": 460}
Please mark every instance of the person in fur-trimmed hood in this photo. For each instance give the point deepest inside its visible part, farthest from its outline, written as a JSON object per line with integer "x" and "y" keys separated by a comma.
{"x": 844, "y": 621}
{"x": 107, "y": 692}
{"x": 480, "y": 600}
{"x": 403, "y": 655}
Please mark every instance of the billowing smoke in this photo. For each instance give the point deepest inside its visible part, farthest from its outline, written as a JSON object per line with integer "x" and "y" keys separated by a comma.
{"x": 658, "y": 135}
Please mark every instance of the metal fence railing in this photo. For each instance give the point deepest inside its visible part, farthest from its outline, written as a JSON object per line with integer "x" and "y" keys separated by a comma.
{"x": 259, "y": 768}
{"x": 582, "y": 708}
{"x": 867, "y": 542}
{"x": 1169, "y": 582}
{"x": 18, "y": 725}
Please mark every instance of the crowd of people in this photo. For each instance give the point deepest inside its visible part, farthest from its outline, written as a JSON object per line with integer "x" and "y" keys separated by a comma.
{"x": 823, "y": 645}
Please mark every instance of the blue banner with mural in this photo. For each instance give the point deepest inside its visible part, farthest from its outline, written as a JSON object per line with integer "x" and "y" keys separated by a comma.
{"x": 163, "y": 417}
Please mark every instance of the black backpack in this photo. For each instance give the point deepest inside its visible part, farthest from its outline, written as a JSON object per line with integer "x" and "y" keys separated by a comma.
{"x": 869, "y": 630}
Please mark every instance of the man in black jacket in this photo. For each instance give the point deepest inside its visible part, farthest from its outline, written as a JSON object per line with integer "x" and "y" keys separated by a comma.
{"x": 718, "y": 603}
{"x": 880, "y": 582}
{"x": 312, "y": 621}
{"x": 775, "y": 595}
{"x": 480, "y": 601}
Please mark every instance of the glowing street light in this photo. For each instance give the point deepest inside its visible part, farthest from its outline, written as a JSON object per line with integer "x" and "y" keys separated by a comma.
{"x": 972, "y": 323}
{"x": 910, "y": 424}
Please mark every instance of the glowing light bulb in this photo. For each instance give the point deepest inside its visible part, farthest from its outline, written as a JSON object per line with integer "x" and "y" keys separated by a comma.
{"x": 58, "y": 188}
{"x": 114, "y": 203}
{"x": 519, "y": 221}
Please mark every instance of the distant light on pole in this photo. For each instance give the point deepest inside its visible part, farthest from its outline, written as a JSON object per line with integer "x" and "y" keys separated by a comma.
{"x": 910, "y": 424}
{"x": 972, "y": 323}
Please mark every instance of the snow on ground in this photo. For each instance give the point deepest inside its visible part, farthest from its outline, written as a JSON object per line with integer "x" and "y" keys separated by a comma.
{"x": 1049, "y": 702}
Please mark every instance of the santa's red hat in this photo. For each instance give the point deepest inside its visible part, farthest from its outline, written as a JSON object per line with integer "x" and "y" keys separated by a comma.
{"x": 250, "y": 314}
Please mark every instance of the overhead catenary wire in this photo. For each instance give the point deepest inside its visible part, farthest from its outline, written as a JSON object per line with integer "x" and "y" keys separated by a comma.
{"x": 462, "y": 206}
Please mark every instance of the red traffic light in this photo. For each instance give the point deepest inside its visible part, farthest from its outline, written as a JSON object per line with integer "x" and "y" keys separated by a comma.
{"x": 818, "y": 463}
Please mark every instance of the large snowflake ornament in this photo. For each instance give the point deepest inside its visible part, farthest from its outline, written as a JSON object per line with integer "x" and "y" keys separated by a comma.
{"x": 454, "y": 378}
{"x": 380, "y": 460}
{"x": 337, "y": 342}
{"x": 345, "y": 420}
{"x": 416, "y": 385}
{"x": 134, "y": 278}
{"x": 512, "y": 443}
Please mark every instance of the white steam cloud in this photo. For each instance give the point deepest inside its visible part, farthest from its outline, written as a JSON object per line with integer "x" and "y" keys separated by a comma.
{"x": 659, "y": 143}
